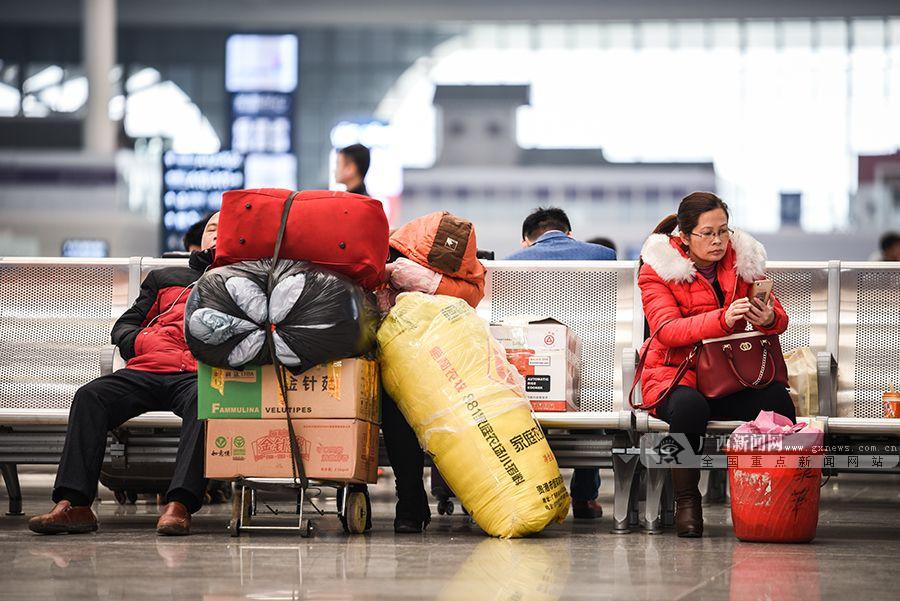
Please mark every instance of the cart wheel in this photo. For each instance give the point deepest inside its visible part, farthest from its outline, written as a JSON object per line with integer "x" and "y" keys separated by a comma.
{"x": 132, "y": 497}
{"x": 235, "y": 516}
{"x": 445, "y": 507}
{"x": 240, "y": 513}
{"x": 120, "y": 496}
{"x": 310, "y": 529}
{"x": 355, "y": 514}
{"x": 368, "y": 510}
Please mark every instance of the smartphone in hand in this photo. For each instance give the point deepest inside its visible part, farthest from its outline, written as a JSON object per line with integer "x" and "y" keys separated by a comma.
{"x": 761, "y": 289}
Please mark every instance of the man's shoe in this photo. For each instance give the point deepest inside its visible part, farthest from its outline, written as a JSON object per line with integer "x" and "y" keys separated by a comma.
{"x": 64, "y": 519}
{"x": 407, "y": 526}
{"x": 413, "y": 512}
{"x": 586, "y": 510}
{"x": 175, "y": 520}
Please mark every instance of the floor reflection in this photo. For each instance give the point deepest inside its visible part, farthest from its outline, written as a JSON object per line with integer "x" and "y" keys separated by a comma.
{"x": 453, "y": 560}
{"x": 512, "y": 569}
{"x": 775, "y": 573}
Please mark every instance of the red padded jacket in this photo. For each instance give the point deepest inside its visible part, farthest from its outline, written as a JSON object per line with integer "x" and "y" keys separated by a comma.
{"x": 150, "y": 335}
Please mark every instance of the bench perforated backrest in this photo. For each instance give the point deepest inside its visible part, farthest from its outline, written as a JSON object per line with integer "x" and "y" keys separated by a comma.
{"x": 595, "y": 299}
{"x": 869, "y": 345}
{"x": 802, "y": 288}
{"x": 55, "y": 316}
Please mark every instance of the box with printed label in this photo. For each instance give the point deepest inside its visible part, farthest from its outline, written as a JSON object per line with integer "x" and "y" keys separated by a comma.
{"x": 548, "y": 355}
{"x": 344, "y": 450}
{"x": 341, "y": 389}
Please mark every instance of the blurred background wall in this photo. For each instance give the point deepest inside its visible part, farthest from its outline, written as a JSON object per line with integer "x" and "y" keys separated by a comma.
{"x": 614, "y": 111}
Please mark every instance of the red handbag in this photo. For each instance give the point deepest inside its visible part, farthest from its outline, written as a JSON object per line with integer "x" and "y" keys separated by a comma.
{"x": 725, "y": 366}
{"x": 343, "y": 232}
{"x": 746, "y": 360}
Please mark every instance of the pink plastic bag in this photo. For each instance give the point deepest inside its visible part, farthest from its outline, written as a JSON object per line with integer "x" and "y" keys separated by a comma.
{"x": 409, "y": 276}
{"x": 772, "y": 433}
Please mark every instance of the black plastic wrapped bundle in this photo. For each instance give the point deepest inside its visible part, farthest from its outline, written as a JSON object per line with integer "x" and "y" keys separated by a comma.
{"x": 312, "y": 315}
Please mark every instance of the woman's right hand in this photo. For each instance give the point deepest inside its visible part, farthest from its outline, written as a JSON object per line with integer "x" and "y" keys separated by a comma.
{"x": 736, "y": 311}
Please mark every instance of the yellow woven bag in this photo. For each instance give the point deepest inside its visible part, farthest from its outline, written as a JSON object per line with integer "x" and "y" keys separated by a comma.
{"x": 464, "y": 400}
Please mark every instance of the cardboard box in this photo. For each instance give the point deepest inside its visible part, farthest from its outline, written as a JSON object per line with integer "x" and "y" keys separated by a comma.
{"x": 548, "y": 355}
{"x": 347, "y": 389}
{"x": 345, "y": 450}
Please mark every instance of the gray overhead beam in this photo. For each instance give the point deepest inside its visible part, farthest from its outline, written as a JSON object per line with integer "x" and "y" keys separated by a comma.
{"x": 288, "y": 14}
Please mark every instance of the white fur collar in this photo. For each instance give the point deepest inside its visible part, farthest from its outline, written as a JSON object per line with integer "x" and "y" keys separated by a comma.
{"x": 672, "y": 266}
{"x": 666, "y": 261}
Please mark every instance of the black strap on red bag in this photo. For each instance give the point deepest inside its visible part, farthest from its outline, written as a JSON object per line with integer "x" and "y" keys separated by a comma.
{"x": 296, "y": 458}
{"x": 679, "y": 375}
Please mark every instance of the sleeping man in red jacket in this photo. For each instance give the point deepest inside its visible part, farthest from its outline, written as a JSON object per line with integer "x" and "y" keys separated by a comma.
{"x": 160, "y": 375}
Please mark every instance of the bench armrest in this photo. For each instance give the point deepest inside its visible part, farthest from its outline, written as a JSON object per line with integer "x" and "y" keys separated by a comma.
{"x": 826, "y": 376}
{"x": 110, "y": 360}
{"x": 629, "y": 365}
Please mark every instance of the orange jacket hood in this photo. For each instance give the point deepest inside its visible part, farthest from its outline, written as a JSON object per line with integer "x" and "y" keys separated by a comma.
{"x": 446, "y": 244}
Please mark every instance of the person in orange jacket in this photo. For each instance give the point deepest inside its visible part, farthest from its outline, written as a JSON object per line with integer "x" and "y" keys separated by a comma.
{"x": 434, "y": 254}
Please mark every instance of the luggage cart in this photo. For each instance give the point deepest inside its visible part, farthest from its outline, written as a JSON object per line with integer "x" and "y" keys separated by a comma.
{"x": 353, "y": 507}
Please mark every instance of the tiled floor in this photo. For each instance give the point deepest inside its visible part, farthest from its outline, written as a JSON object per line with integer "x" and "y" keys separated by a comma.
{"x": 856, "y": 556}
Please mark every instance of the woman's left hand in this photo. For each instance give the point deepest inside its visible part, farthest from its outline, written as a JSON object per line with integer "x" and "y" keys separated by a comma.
{"x": 761, "y": 314}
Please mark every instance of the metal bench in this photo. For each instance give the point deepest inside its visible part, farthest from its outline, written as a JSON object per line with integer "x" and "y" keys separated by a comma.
{"x": 56, "y": 314}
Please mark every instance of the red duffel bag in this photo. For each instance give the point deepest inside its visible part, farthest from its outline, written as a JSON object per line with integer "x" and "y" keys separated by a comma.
{"x": 343, "y": 232}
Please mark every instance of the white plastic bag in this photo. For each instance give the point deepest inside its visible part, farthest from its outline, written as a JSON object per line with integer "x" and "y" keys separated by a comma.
{"x": 803, "y": 378}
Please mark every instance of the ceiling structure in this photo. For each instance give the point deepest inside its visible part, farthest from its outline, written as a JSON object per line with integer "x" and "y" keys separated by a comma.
{"x": 288, "y": 14}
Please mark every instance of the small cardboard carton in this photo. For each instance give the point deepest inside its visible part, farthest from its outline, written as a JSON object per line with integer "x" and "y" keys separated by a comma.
{"x": 343, "y": 450}
{"x": 548, "y": 355}
{"x": 345, "y": 389}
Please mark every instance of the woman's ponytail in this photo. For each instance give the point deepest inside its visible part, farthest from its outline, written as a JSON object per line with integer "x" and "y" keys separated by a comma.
{"x": 667, "y": 225}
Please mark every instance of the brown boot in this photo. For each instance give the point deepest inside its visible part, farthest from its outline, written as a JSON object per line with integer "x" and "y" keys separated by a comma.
{"x": 175, "y": 520}
{"x": 586, "y": 510}
{"x": 688, "y": 502}
{"x": 64, "y": 519}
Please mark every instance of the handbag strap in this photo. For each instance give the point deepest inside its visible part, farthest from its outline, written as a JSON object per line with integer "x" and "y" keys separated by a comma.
{"x": 679, "y": 375}
{"x": 766, "y": 361}
{"x": 299, "y": 472}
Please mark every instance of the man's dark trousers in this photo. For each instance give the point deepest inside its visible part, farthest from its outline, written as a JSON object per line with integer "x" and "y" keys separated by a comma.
{"x": 110, "y": 401}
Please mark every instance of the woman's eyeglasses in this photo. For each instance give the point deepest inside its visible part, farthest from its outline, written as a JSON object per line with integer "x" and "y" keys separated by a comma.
{"x": 708, "y": 236}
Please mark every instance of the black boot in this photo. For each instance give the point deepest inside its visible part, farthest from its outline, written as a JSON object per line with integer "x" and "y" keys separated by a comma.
{"x": 688, "y": 502}
{"x": 413, "y": 512}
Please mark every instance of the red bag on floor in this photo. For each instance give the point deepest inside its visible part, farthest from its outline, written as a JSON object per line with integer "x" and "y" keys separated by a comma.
{"x": 343, "y": 232}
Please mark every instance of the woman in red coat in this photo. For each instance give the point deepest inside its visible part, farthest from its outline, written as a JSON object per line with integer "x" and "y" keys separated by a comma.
{"x": 694, "y": 286}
